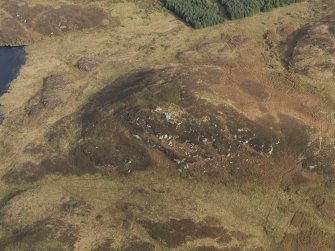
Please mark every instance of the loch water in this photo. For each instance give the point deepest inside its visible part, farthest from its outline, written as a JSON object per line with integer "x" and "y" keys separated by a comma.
{"x": 11, "y": 60}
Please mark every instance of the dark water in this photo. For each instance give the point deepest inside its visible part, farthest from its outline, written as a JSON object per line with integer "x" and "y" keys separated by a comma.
{"x": 11, "y": 60}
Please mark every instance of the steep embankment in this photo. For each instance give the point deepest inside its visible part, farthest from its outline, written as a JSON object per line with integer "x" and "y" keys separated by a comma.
{"x": 312, "y": 52}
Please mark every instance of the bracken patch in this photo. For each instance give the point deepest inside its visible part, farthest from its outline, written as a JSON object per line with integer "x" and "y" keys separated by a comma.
{"x": 193, "y": 117}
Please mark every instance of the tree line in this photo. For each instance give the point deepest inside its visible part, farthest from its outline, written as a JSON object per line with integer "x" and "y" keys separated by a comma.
{"x": 197, "y": 13}
{"x": 202, "y": 13}
{"x": 235, "y": 9}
